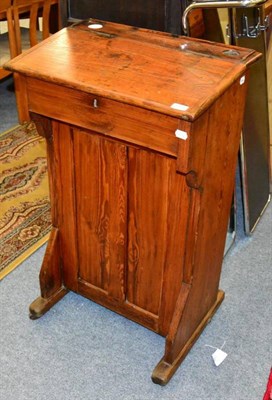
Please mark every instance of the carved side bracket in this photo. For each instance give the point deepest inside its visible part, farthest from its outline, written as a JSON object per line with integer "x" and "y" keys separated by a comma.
{"x": 43, "y": 125}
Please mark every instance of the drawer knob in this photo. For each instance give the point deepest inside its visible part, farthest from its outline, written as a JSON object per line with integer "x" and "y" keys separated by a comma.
{"x": 95, "y": 103}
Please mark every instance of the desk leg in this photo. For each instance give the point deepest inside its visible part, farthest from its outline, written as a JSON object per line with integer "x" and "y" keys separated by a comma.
{"x": 52, "y": 289}
{"x": 170, "y": 362}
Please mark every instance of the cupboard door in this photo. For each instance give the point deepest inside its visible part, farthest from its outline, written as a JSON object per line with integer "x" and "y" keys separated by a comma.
{"x": 101, "y": 190}
{"x": 158, "y": 205}
{"x": 132, "y": 212}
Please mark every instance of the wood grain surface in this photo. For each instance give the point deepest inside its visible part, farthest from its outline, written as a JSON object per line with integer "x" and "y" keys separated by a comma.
{"x": 140, "y": 191}
{"x": 169, "y": 70}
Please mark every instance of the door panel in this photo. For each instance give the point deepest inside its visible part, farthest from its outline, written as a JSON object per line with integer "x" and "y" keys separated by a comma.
{"x": 153, "y": 189}
{"x": 101, "y": 180}
{"x": 131, "y": 211}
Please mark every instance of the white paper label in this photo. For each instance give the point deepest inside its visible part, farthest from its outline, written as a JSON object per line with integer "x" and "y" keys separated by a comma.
{"x": 180, "y": 107}
{"x": 219, "y": 356}
{"x": 181, "y": 134}
{"x": 242, "y": 80}
{"x": 95, "y": 26}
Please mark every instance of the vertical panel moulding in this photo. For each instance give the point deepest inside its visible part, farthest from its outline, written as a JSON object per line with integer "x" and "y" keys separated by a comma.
{"x": 117, "y": 161}
{"x": 103, "y": 214}
{"x": 177, "y": 223}
{"x": 191, "y": 234}
{"x": 53, "y": 178}
{"x": 132, "y": 236}
{"x": 63, "y": 138}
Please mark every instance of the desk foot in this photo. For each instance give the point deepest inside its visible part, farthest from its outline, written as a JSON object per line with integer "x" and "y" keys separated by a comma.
{"x": 51, "y": 280}
{"x": 41, "y": 305}
{"x": 164, "y": 371}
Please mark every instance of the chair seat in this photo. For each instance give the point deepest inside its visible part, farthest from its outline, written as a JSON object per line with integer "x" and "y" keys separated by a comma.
{"x": 25, "y": 38}
{"x": 4, "y": 44}
{"x": 20, "y": 38}
{"x": 4, "y": 49}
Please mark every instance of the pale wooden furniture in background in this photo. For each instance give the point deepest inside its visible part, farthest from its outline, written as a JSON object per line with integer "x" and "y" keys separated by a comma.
{"x": 21, "y": 38}
{"x": 4, "y": 42}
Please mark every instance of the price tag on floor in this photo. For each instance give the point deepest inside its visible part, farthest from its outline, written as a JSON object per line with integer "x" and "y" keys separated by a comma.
{"x": 219, "y": 356}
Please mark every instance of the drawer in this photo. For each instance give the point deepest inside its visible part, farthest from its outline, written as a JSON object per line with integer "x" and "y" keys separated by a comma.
{"x": 138, "y": 126}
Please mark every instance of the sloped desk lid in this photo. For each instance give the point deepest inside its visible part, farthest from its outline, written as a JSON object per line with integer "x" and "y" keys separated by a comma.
{"x": 178, "y": 76}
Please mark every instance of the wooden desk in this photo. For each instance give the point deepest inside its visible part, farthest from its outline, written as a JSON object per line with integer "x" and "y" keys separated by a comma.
{"x": 143, "y": 132}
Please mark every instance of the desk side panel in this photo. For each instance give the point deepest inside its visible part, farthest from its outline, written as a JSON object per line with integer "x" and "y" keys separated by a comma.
{"x": 224, "y": 125}
{"x": 62, "y": 161}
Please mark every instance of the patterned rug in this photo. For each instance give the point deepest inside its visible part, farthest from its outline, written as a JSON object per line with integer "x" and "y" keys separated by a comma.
{"x": 24, "y": 203}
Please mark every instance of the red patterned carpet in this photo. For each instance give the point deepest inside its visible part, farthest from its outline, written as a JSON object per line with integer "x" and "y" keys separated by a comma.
{"x": 24, "y": 203}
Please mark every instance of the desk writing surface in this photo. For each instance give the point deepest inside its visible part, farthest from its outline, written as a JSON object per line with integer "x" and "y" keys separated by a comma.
{"x": 154, "y": 72}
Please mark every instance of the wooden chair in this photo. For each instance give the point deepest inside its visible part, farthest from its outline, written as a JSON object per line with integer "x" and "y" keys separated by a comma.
{"x": 23, "y": 38}
{"x": 4, "y": 42}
